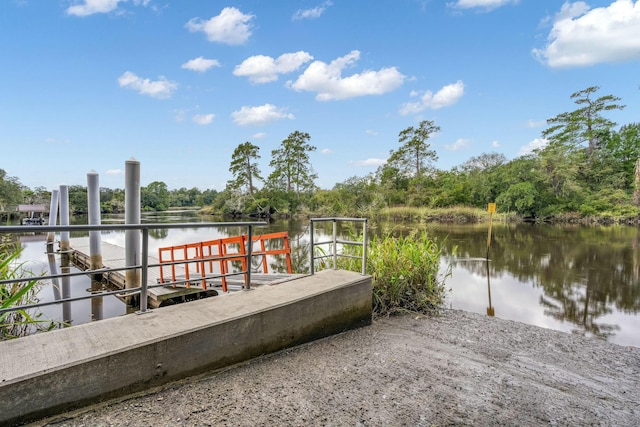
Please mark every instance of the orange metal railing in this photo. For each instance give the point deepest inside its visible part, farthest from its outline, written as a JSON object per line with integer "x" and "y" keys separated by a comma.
{"x": 219, "y": 253}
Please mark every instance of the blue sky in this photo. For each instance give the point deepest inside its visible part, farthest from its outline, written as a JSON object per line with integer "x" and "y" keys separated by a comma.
{"x": 86, "y": 85}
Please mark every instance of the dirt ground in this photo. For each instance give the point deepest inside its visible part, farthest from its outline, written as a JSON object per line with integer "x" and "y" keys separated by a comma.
{"x": 456, "y": 369}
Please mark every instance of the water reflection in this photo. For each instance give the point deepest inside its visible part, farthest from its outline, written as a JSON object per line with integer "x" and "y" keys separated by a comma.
{"x": 584, "y": 279}
{"x": 490, "y": 310}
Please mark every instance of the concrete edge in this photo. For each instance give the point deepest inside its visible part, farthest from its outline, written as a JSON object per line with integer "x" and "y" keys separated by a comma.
{"x": 86, "y": 364}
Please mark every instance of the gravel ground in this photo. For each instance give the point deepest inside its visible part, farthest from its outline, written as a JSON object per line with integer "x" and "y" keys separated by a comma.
{"x": 455, "y": 369}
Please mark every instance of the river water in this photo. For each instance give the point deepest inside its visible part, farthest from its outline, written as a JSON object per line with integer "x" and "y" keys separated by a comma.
{"x": 577, "y": 279}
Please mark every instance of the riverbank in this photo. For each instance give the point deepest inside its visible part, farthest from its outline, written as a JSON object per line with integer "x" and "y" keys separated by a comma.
{"x": 459, "y": 368}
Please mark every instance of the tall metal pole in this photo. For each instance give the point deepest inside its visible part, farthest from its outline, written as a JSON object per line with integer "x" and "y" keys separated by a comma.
{"x": 64, "y": 217}
{"x": 132, "y": 216}
{"x": 93, "y": 197}
{"x": 95, "y": 246}
{"x": 53, "y": 215}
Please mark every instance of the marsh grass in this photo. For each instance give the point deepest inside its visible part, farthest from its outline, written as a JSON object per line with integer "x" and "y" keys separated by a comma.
{"x": 405, "y": 271}
{"x": 454, "y": 214}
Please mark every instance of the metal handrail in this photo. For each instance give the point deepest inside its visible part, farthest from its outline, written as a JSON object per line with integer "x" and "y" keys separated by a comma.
{"x": 335, "y": 241}
{"x": 143, "y": 267}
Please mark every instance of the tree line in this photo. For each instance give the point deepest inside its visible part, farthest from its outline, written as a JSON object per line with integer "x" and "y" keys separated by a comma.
{"x": 588, "y": 167}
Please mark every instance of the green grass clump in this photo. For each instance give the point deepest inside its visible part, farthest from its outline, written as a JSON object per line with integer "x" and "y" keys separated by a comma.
{"x": 406, "y": 274}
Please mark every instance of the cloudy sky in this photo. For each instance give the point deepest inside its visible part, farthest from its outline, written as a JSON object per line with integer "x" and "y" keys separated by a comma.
{"x": 86, "y": 85}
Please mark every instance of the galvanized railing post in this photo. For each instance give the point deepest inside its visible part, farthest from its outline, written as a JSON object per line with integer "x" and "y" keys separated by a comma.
{"x": 364, "y": 247}
{"x": 312, "y": 249}
{"x": 145, "y": 270}
{"x": 247, "y": 277}
{"x": 335, "y": 244}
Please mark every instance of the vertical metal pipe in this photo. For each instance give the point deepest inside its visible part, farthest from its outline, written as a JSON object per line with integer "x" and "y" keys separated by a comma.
{"x": 93, "y": 200}
{"x": 247, "y": 284}
{"x": 145, "y": 267}
{"x": 364, "y": 247}
{"x": 64, "y": 217}
{"x": 335, "y": 245}
{"x": 53, "y": 215}
{"x": 132, "y": 216}
{"x": 311, "y": 249}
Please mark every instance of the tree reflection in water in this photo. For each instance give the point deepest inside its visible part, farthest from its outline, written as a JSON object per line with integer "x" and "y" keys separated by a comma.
{"x": 585, "y": 273}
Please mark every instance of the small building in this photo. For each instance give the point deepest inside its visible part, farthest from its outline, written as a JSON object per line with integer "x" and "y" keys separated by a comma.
{"x": 35, "y": 214}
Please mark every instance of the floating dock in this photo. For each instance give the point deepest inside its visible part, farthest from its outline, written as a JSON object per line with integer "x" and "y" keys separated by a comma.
{"x": 113, "y": 257}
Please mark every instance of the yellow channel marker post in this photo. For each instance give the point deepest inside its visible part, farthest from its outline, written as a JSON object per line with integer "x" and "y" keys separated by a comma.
{"x": 491, "y": 208}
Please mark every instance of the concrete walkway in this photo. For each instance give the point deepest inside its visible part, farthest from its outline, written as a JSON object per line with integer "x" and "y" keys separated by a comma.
{"x": 64, "y": 369}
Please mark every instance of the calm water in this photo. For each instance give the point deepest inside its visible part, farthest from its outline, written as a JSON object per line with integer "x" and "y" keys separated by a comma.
{"x": 583, "y": 280}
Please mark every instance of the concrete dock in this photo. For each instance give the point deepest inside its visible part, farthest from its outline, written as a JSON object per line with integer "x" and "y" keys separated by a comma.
{"x": 48, "y": 373}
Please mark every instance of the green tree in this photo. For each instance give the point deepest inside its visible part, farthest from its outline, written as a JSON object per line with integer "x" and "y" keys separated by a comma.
{"x": 623, "y": 149}
{"x": 10, "y": 190}
{"x": 393, "y": 184}
{"x": 78, "y": 200}
{"x": 585, "y": 124}
{"x": 414, "y": 156}
{"x": 155, "y": 196}
{"x": 207, "y": 197}
{"x": 481, "y": 175}
{"x": 244, "y": 167}
{"x": 292, "y": 170}
{"x": 519, "y": 186}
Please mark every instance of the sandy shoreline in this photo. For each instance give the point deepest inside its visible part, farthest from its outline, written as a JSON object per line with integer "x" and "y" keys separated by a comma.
{"x": 456, "y": 369}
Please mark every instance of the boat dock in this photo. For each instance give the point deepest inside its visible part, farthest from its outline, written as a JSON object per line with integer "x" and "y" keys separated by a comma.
{"x": 193, "y": 286}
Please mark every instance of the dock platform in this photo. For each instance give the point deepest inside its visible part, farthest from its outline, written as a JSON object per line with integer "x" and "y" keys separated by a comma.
{"x": 113, "y": 257}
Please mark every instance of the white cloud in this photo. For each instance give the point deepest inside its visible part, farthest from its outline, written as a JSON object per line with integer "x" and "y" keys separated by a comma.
{"x": 115, "y": 172}
{"x": 260, "y": 115}
{"x": 259, "y": 135}
{"x": 582, "y": 36}
{"x": 200, "y": 64}
{"x": 203, "y": 119}
{"x": 265, "y": 69}
{"x": 231, "y": 27}
{"x": 161, "y": 88}
{"x": 460, "y": 144}
{"x": 371, "y": 132}
{"x": 482, "y": 4}
{"x": 536, "y": 144}
{"x": 445, "y": 97}
{"x": 326, "y": 151}
{"x": 327, "y": 81}
{"x": 368, "y": 162}
{"x": 495, "y": 144}
{"x": 90, "y": 7}
{"x": 313, "y": 13}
